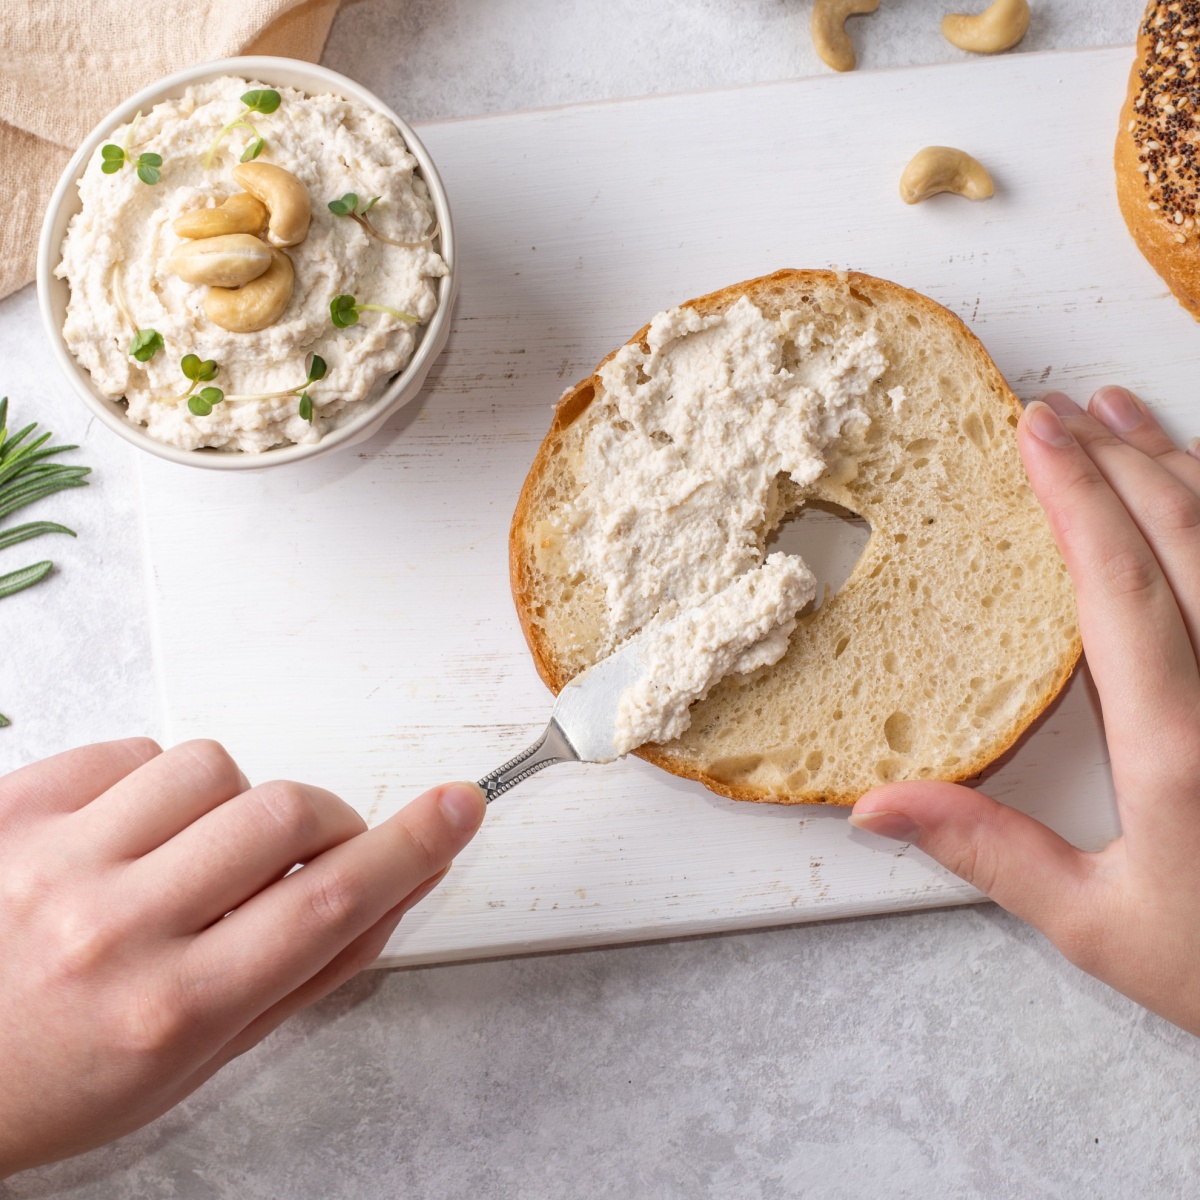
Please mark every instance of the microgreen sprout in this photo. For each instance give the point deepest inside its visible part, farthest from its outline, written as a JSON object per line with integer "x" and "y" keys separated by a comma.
{"x": 348, "y": 206}
{"x": 315, "y": 369}
{"x": 344, "y": 310}
{"x": 115, "y": 157}
{"x": 146, "y": 344}
{"x": 260, "y": 100}
{"x": 197, "y": 371}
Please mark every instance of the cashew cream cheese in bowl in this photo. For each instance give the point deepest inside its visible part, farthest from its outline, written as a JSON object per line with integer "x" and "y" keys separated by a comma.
{"x": 706, "y": 417}
{"x": 302, "y": 378}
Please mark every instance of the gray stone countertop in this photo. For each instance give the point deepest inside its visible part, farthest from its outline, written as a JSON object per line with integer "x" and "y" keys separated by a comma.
{"x": 939, "y": 1054}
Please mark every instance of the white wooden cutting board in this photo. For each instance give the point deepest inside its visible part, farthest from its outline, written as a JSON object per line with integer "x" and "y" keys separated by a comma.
{"x": 348, "y": 622}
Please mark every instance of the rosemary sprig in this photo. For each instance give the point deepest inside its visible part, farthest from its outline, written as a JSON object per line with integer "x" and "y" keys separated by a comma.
{"x": 26, "y": 475}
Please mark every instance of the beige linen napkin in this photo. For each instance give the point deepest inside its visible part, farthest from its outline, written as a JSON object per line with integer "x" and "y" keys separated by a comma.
{"x": 63, "y": 65}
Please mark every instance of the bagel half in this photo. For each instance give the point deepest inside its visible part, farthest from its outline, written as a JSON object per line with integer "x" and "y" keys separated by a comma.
{"x": 1157, "y": 156}
{"x": 957, "y": 626}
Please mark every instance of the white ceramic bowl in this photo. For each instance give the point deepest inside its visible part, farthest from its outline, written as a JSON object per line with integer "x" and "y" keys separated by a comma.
{"x": 64, "y": 204}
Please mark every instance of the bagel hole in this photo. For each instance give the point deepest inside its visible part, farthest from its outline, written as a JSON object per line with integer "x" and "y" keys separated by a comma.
{"x": 828, "y": 537}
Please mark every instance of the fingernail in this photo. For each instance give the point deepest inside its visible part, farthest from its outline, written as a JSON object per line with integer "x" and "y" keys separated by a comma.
{"x": 1044, "y": 424}
{"x": 1117, "y": 408}
{"x": 1193, "y": 447}
{"x": 463, "y": 806}
{"x": 1061, "y": 403}
{"x": 887, "y": 824}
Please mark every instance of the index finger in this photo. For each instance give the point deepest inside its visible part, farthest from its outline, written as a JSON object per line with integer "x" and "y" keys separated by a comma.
{"x": 288, "y": 932}
{"x": 1133, "y": 633}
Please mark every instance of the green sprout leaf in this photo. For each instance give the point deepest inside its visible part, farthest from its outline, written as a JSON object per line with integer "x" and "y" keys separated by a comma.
{"x": 343, "y": 311}
{"x": 205, "y": 400}
{"x": 261, "y": 100}
{"x": 344, "y": 207}
{"x": 253, "y": 149}
{"x": 306, "y": 407}
{"x": 149, "y": 175}
{"x": 197, "y": 371}
{"x": 149, "y": 160}
{"x": 146, "y": 344}
{"x": 112, "y": 166}
{"x": 370, "y": 204}
{"x": 112, "y": 153}
{"x": 316, "y": 368}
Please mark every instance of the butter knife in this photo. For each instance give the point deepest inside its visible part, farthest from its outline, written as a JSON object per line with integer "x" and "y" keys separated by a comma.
{"x": 583, "y": 724}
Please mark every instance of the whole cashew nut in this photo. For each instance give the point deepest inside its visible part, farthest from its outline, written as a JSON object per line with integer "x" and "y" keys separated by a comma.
{"x": 239, "y": 213}
{"x": 228, "y": 261}
{"x": 944, "y": 169}
{"x": 999, "y": 27}
{"x": 830, "y": 39}
{"x": 284, "y": 195}
{"x": 254, "y": 305}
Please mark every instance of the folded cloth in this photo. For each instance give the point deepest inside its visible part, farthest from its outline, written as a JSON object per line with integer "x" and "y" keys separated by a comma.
{"x": 68, "y": 63}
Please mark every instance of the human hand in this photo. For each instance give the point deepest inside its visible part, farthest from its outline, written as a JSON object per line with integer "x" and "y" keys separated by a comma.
{"x": 1124, "y": 504}
{"x": 150, "y": 931}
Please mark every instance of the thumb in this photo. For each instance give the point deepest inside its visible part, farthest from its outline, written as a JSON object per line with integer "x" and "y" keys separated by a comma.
{"x": 1013, "y": 859}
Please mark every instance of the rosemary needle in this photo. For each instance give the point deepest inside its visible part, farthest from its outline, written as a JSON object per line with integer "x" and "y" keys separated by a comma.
{"x": 22, "y": 533}
{"x": 16, "y": 581}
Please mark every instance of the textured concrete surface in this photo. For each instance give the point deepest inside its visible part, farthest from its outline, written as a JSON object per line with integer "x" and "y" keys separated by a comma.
{"x": 946, "y": 1054}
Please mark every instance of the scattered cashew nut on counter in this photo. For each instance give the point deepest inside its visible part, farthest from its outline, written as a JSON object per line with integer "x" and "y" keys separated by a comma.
{"x": 999, "y": 27}
{"x": 830, "y": 39}
{"x": 944, "y": 169}
{"x": 285, "y": 197}
{"x": 239, "y": 213}
{"x": 256, "y": 304}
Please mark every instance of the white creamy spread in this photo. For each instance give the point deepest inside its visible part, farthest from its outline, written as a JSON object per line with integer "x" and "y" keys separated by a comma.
{"x": 742, "y": 628}
{"x": 118, "y": 245}
{"x": 678, "y": 484}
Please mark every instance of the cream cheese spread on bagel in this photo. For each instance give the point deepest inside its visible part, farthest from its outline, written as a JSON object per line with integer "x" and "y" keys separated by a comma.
{"x": 743, "y": 627}
{"x": 711, "y": 412}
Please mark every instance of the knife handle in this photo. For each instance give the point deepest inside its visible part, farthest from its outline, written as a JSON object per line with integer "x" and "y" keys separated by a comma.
{"x": 551, "y": 747}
